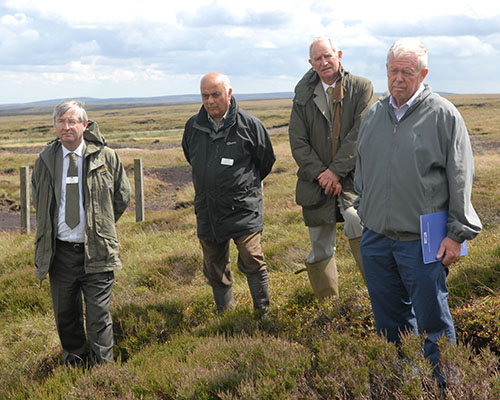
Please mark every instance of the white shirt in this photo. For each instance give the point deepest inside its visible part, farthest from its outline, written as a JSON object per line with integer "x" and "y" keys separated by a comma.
{"x": 325, "y": 88}
{"x": 400, "y": 111}
{"x": 64, "y": 232}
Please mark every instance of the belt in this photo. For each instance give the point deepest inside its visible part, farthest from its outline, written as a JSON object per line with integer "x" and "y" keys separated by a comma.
{"x": 77, "y": 247}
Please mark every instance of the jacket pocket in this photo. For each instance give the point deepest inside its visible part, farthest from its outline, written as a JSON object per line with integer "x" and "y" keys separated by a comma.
{"x": 309, "y": 194}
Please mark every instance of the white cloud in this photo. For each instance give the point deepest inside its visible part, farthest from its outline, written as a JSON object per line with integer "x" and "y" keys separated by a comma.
{"x": 151, "y": 47}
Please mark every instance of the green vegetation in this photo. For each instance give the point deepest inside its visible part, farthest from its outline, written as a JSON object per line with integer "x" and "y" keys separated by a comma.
{"x": 170, "y": 344}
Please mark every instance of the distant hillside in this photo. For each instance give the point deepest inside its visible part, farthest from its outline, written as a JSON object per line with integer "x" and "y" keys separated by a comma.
{"x": 94, "y": 103}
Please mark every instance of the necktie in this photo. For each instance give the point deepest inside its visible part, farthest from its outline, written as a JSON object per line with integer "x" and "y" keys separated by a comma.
{"x": 72, "y": 193}
{"x": 335, "y": 96}
{"x": 329, "y": 91}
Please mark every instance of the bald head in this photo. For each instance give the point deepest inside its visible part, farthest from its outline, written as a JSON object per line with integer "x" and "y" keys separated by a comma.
{"x": 216, "y": 92}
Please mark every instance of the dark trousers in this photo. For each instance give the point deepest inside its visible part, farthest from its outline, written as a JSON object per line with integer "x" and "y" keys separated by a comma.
{"x": 406, "y": 294}
{"x": 68, "y": 282}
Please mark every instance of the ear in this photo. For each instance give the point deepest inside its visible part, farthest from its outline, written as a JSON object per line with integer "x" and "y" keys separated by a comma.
{"x": 229, "y": 92}
{"x": 424, "y": 73}
{"x": 85, "y": 124}
{"x": 310, "y": 62}
{"x": 339, "y": 54}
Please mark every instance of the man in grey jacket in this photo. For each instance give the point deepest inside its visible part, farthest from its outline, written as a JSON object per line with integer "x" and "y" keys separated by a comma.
{"x": 80, "y": 189}
{"x": 414, "y": 158}
{"x": 328, "y": 106}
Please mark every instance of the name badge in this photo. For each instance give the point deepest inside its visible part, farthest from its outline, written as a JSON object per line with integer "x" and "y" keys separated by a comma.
{"x": 71, "y": 179}
{"x": 227, "y": 161}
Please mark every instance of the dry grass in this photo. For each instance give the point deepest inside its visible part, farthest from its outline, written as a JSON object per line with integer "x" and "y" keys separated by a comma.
{"x": 170, "y": 344}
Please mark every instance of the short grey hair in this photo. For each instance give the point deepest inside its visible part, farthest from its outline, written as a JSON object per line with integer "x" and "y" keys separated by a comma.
{"x": 324, "y": 39}
{"x": 66, "y": 105}
{"x": 409, "y": 46}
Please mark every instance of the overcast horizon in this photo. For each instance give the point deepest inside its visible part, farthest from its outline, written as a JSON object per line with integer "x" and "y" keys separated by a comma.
{"x": 114, "y": 49}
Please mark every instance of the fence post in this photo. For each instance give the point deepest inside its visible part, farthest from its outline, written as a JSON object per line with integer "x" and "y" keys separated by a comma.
{"x": 139, "y": 190}
{"x": 25, "y": 198}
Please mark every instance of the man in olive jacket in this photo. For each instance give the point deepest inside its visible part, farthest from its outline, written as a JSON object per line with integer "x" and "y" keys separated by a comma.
{"x": 328, "y": 106}
{"x": 80, "y": 189}
{"x": 230, "y": 153}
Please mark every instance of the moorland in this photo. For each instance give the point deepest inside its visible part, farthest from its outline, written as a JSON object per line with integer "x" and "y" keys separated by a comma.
{"x": 170, "y": 344}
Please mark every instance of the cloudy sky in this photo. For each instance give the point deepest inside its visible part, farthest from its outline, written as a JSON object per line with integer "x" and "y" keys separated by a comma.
{"x": 132, "y": 48}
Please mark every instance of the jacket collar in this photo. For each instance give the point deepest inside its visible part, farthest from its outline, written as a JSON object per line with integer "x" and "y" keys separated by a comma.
{"x": 230, "y": 118}
{"x": 416, "y": 102}
{"x": 304, "y": 89}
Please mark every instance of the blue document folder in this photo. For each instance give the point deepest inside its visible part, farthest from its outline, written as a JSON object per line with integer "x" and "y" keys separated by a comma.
{"x": 433, "y": 230}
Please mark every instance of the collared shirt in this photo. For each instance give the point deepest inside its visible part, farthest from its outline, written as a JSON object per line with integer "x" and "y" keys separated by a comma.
{"x": 400, "y": 111}
{"x": 64, "y": 232}
{"x": 217, "y": 125}
{"x": 326, "y": 86}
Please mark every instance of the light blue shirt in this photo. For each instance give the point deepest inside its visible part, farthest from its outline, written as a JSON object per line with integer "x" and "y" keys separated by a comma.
{"x": 400, "y": 111}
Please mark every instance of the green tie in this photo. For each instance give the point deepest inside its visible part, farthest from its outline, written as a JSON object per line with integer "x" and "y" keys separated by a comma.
{"x": 72, "y": 193}
{"x": 330, "y": 100}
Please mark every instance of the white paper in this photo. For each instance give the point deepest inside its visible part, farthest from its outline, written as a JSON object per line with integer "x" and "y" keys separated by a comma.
{"x": 227, "y": 161}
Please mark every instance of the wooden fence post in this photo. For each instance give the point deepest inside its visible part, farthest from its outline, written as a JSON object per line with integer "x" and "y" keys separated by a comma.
{"x": 25, "y": 199}
{"x": 139, "y": 190}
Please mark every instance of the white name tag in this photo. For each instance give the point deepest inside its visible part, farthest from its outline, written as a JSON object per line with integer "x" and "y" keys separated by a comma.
{"x": 227, "y": 161}
{"x": 71, "y": 179}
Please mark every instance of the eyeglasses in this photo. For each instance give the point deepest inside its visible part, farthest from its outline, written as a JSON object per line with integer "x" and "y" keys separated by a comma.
{"x": 70, "y": 122}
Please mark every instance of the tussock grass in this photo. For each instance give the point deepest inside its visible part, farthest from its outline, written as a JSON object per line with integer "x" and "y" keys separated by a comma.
{"x": 170, "y": 343}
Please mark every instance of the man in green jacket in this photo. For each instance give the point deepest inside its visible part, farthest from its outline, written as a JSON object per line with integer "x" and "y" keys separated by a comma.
{"x": 80, "y": 189}
{"x": 328, "y": 106}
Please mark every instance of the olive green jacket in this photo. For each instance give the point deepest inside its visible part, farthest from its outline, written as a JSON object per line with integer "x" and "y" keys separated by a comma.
{"x": 311, "y": 142}
{"x": 106, "y": 191}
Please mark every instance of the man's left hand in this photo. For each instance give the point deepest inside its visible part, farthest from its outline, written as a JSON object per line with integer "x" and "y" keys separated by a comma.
{"x": 451, "y": 251}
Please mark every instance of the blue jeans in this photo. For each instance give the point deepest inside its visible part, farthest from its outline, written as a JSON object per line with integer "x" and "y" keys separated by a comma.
{"x": 406, "y": 294}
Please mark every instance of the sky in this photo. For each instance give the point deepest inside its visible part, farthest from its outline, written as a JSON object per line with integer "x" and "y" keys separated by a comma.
{"x": 54, "y": 49}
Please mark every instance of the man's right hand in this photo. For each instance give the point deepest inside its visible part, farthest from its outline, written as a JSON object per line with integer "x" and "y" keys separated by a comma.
{"x": 330, "y": 182}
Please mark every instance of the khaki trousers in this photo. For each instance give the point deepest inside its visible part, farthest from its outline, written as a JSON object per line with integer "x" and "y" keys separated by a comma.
{"x": 216, "y": 263}
{"x": 324, "y": 237}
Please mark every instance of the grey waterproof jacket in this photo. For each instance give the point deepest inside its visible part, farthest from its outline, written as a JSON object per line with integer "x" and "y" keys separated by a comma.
{"x": 107, "y": 193}
{"x": 419, "y": 165}
{"x": 228, "y": 168}
{"x": 311, "y": 142}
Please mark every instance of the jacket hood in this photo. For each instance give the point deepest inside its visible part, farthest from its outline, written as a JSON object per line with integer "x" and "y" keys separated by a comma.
{"x": 93, "y": 134}
{"x": 304, "y": 89}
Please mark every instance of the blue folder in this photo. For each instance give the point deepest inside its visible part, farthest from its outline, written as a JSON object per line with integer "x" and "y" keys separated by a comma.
{"x": 433, "y": 230}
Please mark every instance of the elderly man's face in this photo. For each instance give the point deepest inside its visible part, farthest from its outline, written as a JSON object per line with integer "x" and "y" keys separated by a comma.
{"x": 404, "y": 78}
{"x": 215, "y": 97}
{"x": 325, "y": 61}
{"x": 70, "y": 129}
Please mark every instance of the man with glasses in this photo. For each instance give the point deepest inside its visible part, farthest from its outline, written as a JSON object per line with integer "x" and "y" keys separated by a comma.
{"x": 230, "y": 152}
{"x": 328, "y": 106}
{"x": 80, "y": 189}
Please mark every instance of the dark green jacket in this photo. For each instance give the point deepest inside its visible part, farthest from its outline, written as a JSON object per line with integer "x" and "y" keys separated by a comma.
{"x": 107, "y": 193}
{"x": 228, "y": 168}
{"x": 311, "y": 135}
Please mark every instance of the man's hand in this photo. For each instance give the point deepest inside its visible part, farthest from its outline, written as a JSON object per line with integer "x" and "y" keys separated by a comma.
{"x": 329, "y": 181}
{"x": 451, "y": 251}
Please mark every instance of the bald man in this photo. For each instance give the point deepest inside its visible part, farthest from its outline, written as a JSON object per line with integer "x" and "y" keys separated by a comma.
{"x": 230, "y": 153}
